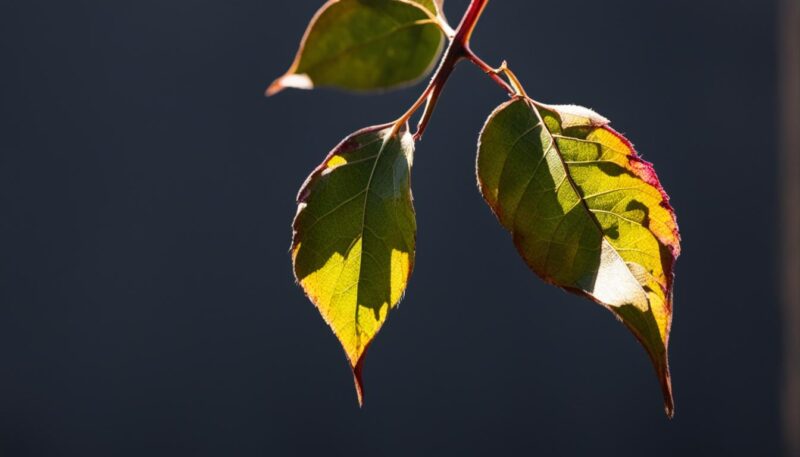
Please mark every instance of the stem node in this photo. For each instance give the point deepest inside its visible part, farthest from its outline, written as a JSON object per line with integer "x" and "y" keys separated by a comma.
{"x": 457, "y": 50}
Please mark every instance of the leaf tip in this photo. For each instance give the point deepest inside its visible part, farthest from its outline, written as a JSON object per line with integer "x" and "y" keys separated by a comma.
{"x": 359, "y": 380}
{"x": 296, "y": 81}
{"x": 666, "y": 389}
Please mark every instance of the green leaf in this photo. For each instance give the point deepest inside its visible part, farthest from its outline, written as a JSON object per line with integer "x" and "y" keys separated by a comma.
{"x": 586, "y": 214}
{"x": 354, "y": 236}
{"x": 364, "y": 45}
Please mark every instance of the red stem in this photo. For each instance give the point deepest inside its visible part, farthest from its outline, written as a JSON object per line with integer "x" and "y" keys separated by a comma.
{"x": 493, "y": 74}
{"x": 469, "y": 21}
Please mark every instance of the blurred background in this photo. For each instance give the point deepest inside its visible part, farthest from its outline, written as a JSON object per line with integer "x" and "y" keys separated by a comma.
{"x": 147, "y": 304}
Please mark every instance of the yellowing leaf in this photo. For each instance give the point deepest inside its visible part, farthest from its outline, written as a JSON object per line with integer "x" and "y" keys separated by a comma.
{"x": 586, "y": 214}
{"x": 354, "y": 236}
{"x": 367, "y": 45}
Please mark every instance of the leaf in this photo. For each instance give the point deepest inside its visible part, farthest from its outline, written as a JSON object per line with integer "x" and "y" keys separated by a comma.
{"x": 586, "y": 214}
{"x": 354, "y": 236}
{"x": 364, "y": 45}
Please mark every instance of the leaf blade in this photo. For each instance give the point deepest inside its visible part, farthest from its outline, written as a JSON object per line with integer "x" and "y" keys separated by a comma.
{"x": 557, "y": 178}
{"x": 354, "y": 236}
{"x": 366, "y": 45}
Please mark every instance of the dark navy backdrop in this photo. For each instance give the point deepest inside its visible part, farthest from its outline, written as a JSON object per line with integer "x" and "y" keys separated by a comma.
{"x": 147, "y": 305}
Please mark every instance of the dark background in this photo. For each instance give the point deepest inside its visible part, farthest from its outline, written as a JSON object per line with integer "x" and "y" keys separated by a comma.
{"x": 147, "y": 304}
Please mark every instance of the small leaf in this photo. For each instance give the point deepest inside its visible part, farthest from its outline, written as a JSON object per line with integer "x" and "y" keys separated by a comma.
{"x": 363, "y": 45}
{"x": 354, "y": 236}
{"x": 586, "y": 214}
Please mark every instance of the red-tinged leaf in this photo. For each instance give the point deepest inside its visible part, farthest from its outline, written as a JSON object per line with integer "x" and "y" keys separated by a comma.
{"x": 586, "y": 213}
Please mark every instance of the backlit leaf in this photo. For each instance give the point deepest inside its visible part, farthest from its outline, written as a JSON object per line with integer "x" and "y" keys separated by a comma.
{"x": 354, "y": 236}
{"x": 363, "y": 45}
{"x": 586, "y": 213}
